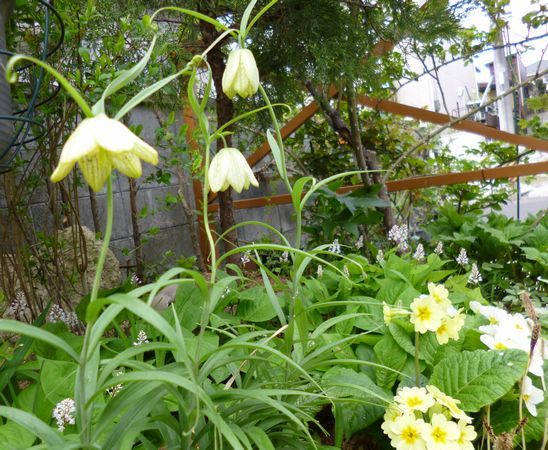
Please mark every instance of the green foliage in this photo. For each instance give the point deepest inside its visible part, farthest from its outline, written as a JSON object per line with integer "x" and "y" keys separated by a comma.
{"x": 481, "y": 377}
{"x": 511, "y": 255}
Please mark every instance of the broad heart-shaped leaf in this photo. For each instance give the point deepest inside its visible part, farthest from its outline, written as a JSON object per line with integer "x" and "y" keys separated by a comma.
{"x": 15, "y": 437}
{"x": 57, "y": 379}
{"x": 479, "y": 378}
{"x": 255, "y": 305}
{"x": 341, "y": 382}
{"x": 391, "y": 355}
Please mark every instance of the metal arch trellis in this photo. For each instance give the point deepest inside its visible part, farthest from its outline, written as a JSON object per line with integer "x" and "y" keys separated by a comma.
{"x": 26, "y": 117}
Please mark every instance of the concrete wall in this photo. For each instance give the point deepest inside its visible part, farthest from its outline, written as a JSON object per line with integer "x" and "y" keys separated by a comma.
{"x": 173, "y": 230}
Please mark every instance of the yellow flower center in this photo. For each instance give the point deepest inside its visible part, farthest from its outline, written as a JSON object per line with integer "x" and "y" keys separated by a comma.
{"x": 439, "y": 435}
{"x": 410, "y": 434}
{"x": 526, "y": 397}
{"x": 442, "y": 329}
{"x": 493, "y": 320}
{"x": 500, "y": 346}
{"x": 424, "y": 313}
{"x": 414, "y": 401}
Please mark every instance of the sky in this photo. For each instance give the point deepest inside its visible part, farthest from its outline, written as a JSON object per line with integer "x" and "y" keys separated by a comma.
{"x": 517, "y": 32}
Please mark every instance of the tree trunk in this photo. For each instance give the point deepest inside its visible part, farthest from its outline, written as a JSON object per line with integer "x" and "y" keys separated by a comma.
{"x": 225, "y": 113}
{"x": 365, "y": 159}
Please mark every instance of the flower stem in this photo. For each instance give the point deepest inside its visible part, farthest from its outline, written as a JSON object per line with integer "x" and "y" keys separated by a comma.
{"x": 106, "y": 242}
{"x": 81, "y": 394}
{"x": 417, "y": 365}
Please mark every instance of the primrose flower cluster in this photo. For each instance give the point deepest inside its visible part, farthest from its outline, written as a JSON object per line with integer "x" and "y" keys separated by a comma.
{"x": 427, "y": 419}
{"x": 514, "y": 331}
{"x": 433, "y": 312}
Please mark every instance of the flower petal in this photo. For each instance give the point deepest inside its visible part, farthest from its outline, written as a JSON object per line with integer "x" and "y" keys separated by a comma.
{"x": 112, "y": 135}
{"x": 61, "y": 171}
{"x": 145, "y": 151}
{"x": 96, "y": 168}
{"x": 217, "y": 174}
{"x": 127, "y": 163}
{"x": 80, "y": 143}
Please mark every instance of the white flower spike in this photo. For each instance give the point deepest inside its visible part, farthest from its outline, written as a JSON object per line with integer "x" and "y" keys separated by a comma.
{"x": 100, "y": 144}
{"x": 241, "y": 76}
{"x": 230, "y": 168}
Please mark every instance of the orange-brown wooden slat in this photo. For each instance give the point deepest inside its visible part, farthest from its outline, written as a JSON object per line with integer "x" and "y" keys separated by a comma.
{"x": 412, "y": 183}
{"x": 442, "y": 119}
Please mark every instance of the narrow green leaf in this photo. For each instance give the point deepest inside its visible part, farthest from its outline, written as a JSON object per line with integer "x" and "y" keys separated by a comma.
{"x": 13, "y": 326}
{"x": 124, "y": 78}
{"x": 33, "y": 425}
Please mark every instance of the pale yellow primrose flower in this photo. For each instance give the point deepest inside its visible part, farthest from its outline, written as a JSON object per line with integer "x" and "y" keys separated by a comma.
{"x": 390, "y": 313}
{"x": 230, "y": 168}
{"x": 98, "y": 144}
{"x": 441, "y": 434}
{"x": 426, "y": 314}
{"x": 414, "y": 399}
{"x": 532, "y": 396}
{"x": 449, "y": 328}
{"x": 449, "y": 402}
{"x": 407, "y": 433}
{"x": 391, "y": 414}
{"x": 241, "y": 75}
{"x": 439, "y": 294}
{"x": 466, "y": 435}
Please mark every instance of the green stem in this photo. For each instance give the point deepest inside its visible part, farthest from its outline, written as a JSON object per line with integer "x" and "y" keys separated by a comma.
{"x": 205, "y": 195}
{"x": 212, "y": 254}
{"x": 60, "y": 78}
{"x": 106, "y": 242}
{"x": 417, "y": 365}
{"x": 84, "y": 412}
{"x": 279, "y": 138}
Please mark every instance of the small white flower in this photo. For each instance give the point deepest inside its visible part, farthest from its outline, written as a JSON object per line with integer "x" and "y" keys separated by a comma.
{"x": 319, "y": 271}
{"x": 475, "y": 275}
{"x": 346, "y": 272}
{"x": 532, "y": 396}
{"x": 439, "y": 248}
{"x": 18, "y": 307}
{"x": 399, "y": 235}
{"x": 241, "y": 75}
{"x": 56, "y": 314}
{"x": 135, "y": 280}
{"x": 63, "y": 413}
{"x": 284, "y": 257}
{"x": 380, "y": 257}
{"x": 114, "y": 390}
{"x": 359, "y": 243}
{"x": 462, "y": 259}
{"x": 335, "y": 247}
{"x": 142, "y": 338}
{"x": 419, "y": 253}
{"x": 245, "y": 259}
{"x": 230, "y": 168}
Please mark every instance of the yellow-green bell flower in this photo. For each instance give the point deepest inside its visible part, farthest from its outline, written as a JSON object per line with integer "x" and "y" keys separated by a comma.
{"x": 100, "y": 144}
{"x": 241, "y": 75}
{"x": 230, "y": 168}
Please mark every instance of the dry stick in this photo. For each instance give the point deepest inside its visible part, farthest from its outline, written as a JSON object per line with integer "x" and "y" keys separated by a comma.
{"x": 190, "y": 217}
{"x": 230, "y": 382}
{"x": 137, "y": 243}
{"x": 458, "y": 120}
